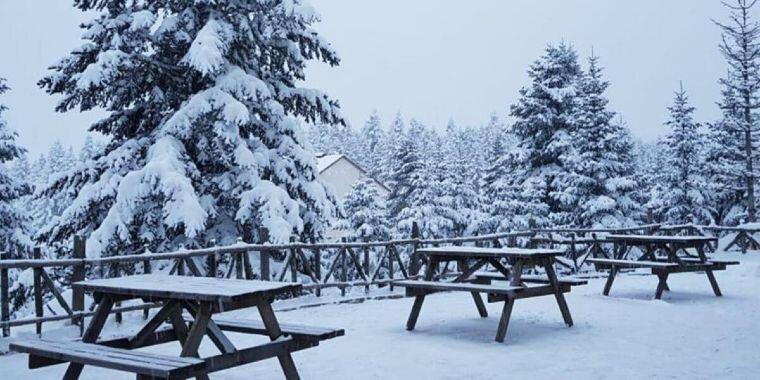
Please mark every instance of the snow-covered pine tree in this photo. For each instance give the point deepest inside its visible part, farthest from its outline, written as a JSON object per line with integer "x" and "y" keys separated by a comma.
{"x": 685, "y": 191}
{"x": 497, "y": 194}
{"x": 390, "y": 148}
{"x": 601, "y": 162}
{"x": 366, "y": 214}
{"x": 371, "y": 138}
{"x": 14, "y": 228}
{"x": 741, "y": 48}
{"x": 725, "y": 161}
{"x": 202, "y": 102}
{"x": 90, "y": 149}
{"x": 461, "y": 181}
{"x": 544, "y": 121}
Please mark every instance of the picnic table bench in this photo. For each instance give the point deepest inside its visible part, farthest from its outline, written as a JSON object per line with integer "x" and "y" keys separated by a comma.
{"x": 200, "y": 297}
{"x": 673, "y": 257}
{"x": 474, "y": 281}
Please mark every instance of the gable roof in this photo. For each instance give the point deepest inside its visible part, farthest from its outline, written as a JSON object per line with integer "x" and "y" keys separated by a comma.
{"x": 325, "y": 161}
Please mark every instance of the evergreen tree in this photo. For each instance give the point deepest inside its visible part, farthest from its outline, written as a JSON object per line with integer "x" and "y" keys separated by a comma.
{"x": 685, "y": 192}
{"x": 391, "y": 145}
{"x": 14, "y": 229}
{"x": 498, "y": 196}
{"x": 371, "y": 142}
{"x": 544, "y": 123}
{"x": 601, "y": 163}
{"x": 460, "y": 182}
{"x": 202, "y": 100}
{"x": 366, "y": 214}
{"x": 741, "y": 48}
{"x": 90, "y": 149}
{"x": 725, "y": 162}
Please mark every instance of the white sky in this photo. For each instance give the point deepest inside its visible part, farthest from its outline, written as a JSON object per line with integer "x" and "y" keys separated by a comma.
{"x": 431, "y": 59}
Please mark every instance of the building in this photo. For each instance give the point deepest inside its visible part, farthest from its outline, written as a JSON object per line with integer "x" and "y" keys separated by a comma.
{"x": 340, "y": 173}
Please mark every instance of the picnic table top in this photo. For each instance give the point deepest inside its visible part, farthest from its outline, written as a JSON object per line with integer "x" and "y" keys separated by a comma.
{"x": 661, "y": 238}
{"x": 186, "y": 287}
{"x": 480, "y": 252}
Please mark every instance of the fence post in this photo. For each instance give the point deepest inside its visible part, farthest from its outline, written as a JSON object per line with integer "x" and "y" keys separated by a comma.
{"x": 78, "y": 274}
{"x": 264, "y": 254}
{"x": 343, "y": 268}
{"x": 146, "y": 270}
{"x": 317, "y": 265}
{"x": 211, "y": 262}
{"x": 293, "y": 260}
{"x": 5, "y": 311}
{"x": 38, "y": 312}
{"x": 414, "y": 263}
{"x": 365, "y": 266}
{"x": 532, "y": 228}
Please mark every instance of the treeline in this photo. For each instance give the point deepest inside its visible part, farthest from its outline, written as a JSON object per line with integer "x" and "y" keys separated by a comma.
{"x": 564, "y": 159}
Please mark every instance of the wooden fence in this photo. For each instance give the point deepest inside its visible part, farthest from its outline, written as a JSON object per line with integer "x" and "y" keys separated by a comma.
{"x": 320, "y": 265}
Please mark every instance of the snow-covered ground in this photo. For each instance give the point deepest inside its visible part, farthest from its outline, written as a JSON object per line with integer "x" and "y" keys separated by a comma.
{"x": 689, "y": 334}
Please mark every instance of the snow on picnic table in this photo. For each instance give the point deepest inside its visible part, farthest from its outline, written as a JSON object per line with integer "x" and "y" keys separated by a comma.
{"x": 689, "y": 334}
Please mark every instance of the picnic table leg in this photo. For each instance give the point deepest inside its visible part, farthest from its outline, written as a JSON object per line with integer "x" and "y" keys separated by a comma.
{"x": 506, "y": 313}
{"x": 475, "y": 295}
{"x": 713, "y": 282}
{"x": 610, "y": 279}
{"x": 196, "y": 333}
{"x": 91, "y": 335}
{"x": 418, "y": 300}
{"x": 273, "y": 329}
{"x": 661, "y": 285}
{"x": 558, "y": 292}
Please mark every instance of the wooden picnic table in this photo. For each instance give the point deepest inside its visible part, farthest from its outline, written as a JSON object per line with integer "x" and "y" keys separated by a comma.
{"x": 471, "y": 260}
{"x": 200, "y": 297}
{"x": 674, "y": 257}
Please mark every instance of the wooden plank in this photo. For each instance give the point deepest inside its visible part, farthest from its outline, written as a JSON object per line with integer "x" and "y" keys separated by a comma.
{"x": 458, "y": 286}
{"x": 161, "y": 287}
{"x": 482, "y": 252}
{"x": 151, "y": 326}
{"x": 264, "y": 351}
{"x": 538, "y": 279}
{"x": 631, "y": 263}
{"x": 112, "y": 358}
{"x": 297, "y": 331}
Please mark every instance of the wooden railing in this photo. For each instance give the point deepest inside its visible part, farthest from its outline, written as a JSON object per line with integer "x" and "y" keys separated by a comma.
{"x": 339, "y": 265}
{"x": 318, "y": 265}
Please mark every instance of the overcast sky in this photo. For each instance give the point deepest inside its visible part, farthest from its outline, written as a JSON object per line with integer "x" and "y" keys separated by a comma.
{"x": 431, "y": 59}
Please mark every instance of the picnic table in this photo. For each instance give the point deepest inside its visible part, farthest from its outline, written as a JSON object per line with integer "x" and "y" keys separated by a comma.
{"x": 200, "y": 297}
{"x": 663, "y": 255}
{"x": 470, "y": 261}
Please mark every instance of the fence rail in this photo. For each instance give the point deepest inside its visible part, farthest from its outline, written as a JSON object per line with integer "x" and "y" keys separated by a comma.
{"x": 339, "y": 265}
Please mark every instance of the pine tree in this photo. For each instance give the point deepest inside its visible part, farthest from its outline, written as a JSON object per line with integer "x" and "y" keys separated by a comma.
{"x": 371, "y": 142}
{"x": 741, "y": 48}
{"x": 14, "y": 229}
{"x": 544, "y": 123}
{"x": 685, "y": 192}
{"x": 601, "y": 162}
{"x": 90, "y": 149}
{"x": 202, "y": 102}
{"x": 460, "y": 182}
{"x": 366, "y": 214}
{"x": 498, "y": 196}
{"x": 725, "y": 162}
{"x": 391, "y": 145}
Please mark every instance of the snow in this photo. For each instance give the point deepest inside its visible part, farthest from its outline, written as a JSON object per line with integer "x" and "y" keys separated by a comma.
{"x": 688, "y": 334}
{"x": 323, "y": 162}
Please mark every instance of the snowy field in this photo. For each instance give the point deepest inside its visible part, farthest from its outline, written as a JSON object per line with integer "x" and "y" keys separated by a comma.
{"x": 689, "y": 334}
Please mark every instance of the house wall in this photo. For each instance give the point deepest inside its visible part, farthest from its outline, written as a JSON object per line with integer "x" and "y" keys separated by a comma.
{"x": 342, "y": 175}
